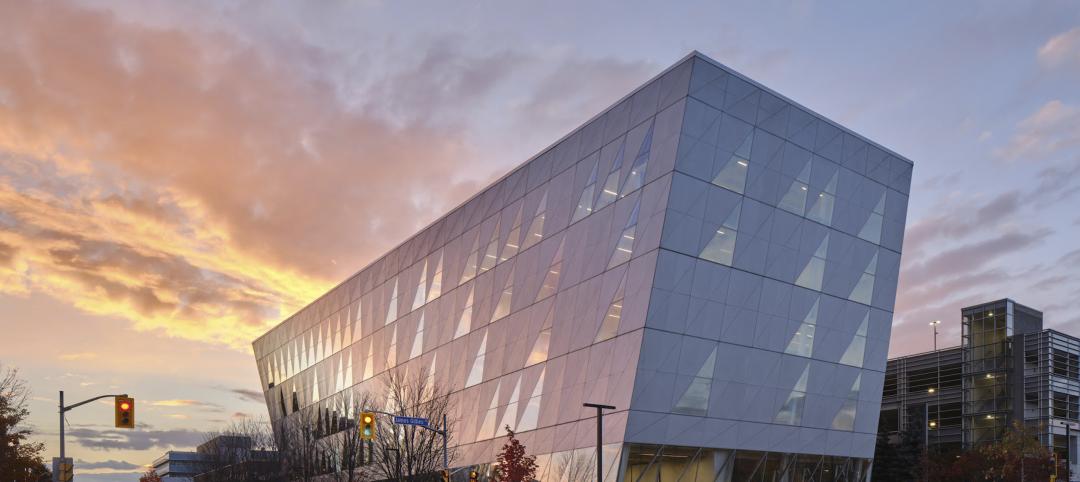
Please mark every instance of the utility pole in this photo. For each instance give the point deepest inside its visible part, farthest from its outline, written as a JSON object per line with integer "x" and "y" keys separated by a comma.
{"x": 444, "y": 432}
{"x": 599, "y": 437}
{"x": 397, "y": 453}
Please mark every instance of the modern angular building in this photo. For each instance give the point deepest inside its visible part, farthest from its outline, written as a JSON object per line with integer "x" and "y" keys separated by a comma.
{"x": 711, "y": 258}
{"x": 1007, "y": 368}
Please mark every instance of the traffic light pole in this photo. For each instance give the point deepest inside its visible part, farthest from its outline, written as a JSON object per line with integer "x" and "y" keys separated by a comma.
{"x": 444, "y": 432}
{"x": 64, "y": 410}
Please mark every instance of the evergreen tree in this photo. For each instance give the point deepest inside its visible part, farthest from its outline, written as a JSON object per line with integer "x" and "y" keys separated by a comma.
{"x": 901, "y": 460}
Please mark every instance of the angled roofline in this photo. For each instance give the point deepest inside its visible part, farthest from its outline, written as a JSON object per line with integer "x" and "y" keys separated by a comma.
{"x": 689, "y": 56}
{"x": 796, "y": 104}
{"x": 925, "y": 353}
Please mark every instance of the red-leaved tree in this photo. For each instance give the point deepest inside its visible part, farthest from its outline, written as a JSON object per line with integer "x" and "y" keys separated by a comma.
{"x": 514, "y": 465}
{"x": 150, "y": 476}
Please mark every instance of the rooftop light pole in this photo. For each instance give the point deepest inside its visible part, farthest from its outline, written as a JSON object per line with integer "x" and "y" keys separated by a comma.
{"x": 937, "y": 389}
{"x": 935, "y": 324}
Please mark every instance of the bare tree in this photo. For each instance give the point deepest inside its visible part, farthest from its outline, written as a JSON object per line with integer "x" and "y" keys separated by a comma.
{"x": 350, "y": 454}
{"x": 242, "y": 451}
{"x": 297, "y": 436}
{"x": 321, "y": 443}
{"x": 576, "y": 465}
{"x": 420, "y": 450}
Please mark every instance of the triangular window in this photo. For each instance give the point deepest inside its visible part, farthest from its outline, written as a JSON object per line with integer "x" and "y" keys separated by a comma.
{"x": 695, "y": 400}
{"x": 857, "y": 348}
{"x": 641, "y": 162}
{"x": 431, "y": 380}
{"x": 814, "y": 271}
{"x": 802, "y": 343}
{"x": 476, "y": 375}
{"x": 418, "y": 341}
{"x": 845, "y": 418}
{"x": 369, "y": 359}
{"x": 721, "y": 248}
{"x": 539, "y": 351}
{"x": 551, "y": 279}
{"x": 465, "y": 320}
{"x": 536, "y": 227}
{"x": 821, "y": 208}
{"x": 421, "y": 289}
{"x": 513, "y": 241}
{"x": 585, "y": 202}
{"x": 488, "y": 428}
{"x": 491, "y": 256}
{"x": 609, "y": 327}
{"x": 436, "y": 281}
{"x": 610, "y": 191}
{"x": 791, "y": 412}
{"x": 871, "y": 230}
{"x": 472, "y": 262}
{"x": 391, "y": 309}
{"x": 510, "y": 412}
{"x": 502, "y": 308}
{"x": 795, "y": 199}
{"x": 391, "y": 352}
{"x": 863, "y": 291}
{"x": 531, "y": 414}
{"x": 732, "y": 174}
{"x": 624, "y": 247}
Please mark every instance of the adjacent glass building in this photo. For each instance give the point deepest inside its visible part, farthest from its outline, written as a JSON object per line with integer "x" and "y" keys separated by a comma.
{"x": 714, "y": 260}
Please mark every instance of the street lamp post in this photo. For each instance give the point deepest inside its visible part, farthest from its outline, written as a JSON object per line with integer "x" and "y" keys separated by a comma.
{"x": 599, "y": 437}
{"x": 935, "y": 324}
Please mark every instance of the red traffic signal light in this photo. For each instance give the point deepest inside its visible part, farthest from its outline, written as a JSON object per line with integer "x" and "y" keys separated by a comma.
{"x": 125, "y": 412}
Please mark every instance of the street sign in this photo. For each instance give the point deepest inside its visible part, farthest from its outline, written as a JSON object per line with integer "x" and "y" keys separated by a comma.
{"x": 423, "y": 422}
{"x": 63, "y": 469}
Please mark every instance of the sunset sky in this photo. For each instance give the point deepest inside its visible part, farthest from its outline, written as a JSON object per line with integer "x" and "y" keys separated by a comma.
{"x": 175, "y": 178}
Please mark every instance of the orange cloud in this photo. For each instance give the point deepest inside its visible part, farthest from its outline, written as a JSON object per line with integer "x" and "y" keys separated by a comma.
{"x": 78, "y": 356}
{"x": 185, "y": 183}
{"x": 175, "y": 403}
{"x": 199, "y": 184}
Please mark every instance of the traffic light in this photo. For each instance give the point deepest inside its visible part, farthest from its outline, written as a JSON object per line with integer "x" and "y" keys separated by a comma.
{"x": 474, "y": 476}
{"x": 445, "y": 475}
{"x": 125, "y": 412}
{"x": 367, "y": 426}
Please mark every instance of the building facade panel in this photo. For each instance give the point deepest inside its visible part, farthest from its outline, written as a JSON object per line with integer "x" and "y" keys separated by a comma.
{"x": 772, "y": 303}
{"x": 714, "y": 260}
